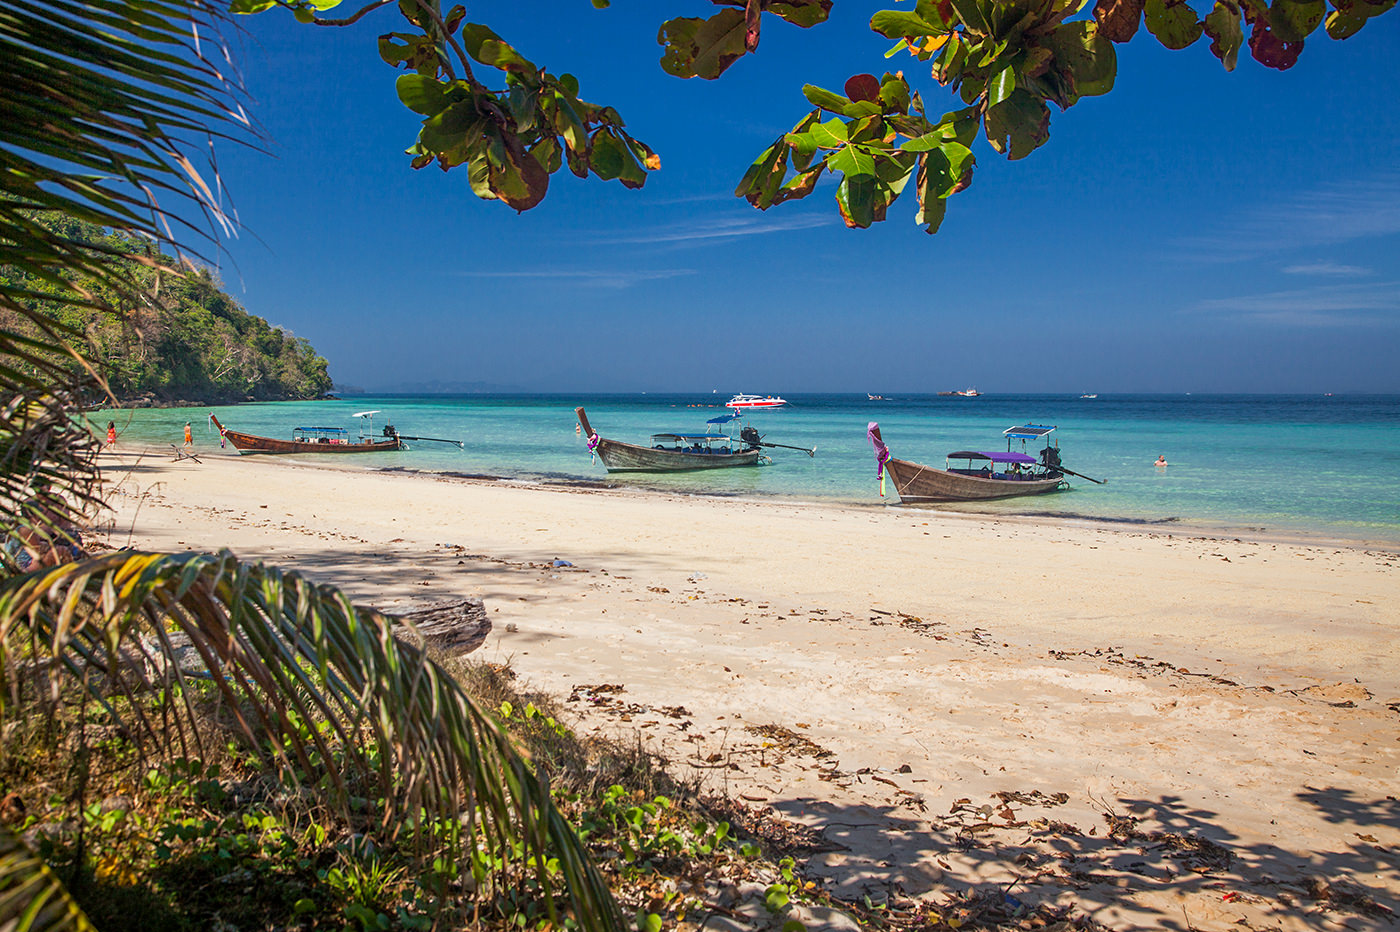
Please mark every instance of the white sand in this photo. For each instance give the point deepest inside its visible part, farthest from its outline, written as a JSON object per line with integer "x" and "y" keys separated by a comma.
{"x": 1241, "y": 691}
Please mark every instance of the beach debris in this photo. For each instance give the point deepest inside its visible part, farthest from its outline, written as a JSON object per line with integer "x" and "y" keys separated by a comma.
{"x": 789, "y": 741}
{"x": 1033, "y": 798}
{"x": 696, "y": 577}
{"x": 558, "y": 563}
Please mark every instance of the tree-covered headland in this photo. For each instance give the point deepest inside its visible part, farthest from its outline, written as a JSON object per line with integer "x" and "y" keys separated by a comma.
{"x": 174, "y": 336}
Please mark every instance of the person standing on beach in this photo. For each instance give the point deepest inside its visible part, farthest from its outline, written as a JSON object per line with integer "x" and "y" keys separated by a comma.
{"x": 112, "y": 434}
{"x": 189, "y": 435}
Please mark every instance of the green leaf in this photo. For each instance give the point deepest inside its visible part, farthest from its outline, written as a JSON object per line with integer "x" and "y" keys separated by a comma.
{"x": 422, "y": 94}
{"x": 851, "y": 160}
{"x": 448, "y": 128}
{"x": 804, "y": 13}
{"x": 830, "y": 134}
{"x": 1084, "y": 58}
{"x": 761, "y": 182}
{"x": 1001, "y": 86}
{"x": 1222, "y": 24}
{"x": 490, "y": 49}
{"x": 855, "y": 198}
{"x": 1019, "y": 125}
{"x": 1173, "y": 22}
{"x": 1295, "y": 20}
{"x": 899, "y": 24}
{"x": 702, "y": 48}
{"x": 827, "y": 100}
{"x": 973, "y": 15}
{"x": 894, "y": 94}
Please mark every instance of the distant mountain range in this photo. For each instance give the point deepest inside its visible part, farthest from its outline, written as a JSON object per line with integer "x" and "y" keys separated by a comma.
{"x": 438, "y": 387}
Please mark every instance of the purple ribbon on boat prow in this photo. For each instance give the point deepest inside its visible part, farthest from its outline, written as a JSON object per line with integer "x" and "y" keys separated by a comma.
{"x": 882, "y": 452}
{"x": 592, "y": 442}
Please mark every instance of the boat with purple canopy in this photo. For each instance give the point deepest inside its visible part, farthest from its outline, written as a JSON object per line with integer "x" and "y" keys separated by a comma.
{"x": 982, "y": 475}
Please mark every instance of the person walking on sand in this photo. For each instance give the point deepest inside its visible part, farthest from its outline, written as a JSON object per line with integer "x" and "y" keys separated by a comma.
{"x": 112, "y": 434}
{"x": 1161, "y": 460}
{"x": 189, "y": 435}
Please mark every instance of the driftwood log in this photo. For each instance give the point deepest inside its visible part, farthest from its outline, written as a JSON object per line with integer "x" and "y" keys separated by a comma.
{"x": 456, "y": 626}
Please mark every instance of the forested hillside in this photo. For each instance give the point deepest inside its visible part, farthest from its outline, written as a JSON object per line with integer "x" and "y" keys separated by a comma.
{"x": 182, "y": 339}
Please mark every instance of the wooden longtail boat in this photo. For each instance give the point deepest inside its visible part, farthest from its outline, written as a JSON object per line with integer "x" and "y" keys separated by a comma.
{"x": 1021, "y": 474}
{"x": 674, "y": 452}
{"x": 310, "y": 440}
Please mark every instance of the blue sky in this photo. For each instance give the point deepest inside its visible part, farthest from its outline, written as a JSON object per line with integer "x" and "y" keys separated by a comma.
{"x": 1193, "y": 230}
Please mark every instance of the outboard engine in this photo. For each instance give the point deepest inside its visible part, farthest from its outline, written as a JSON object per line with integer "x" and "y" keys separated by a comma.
{"x": 750, "y": 437}
{"x": 389, "y": 431}
{"x": 1050, "y": 458}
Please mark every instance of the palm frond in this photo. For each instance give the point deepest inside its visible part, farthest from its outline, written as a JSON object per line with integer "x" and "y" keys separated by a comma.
{"x": 286, "y": 654}
{"x": 31, "y": 897}
{"x": 107, "y": 106}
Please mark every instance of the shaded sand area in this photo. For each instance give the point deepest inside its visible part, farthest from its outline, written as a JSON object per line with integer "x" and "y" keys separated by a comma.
{"x": 1164, "y": 729}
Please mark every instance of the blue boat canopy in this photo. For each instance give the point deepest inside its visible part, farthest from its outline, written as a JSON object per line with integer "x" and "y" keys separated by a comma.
{"x": 1028, "y": 432}
{"x": 688, "y": 437}
{"x": 994, "y": 457}
{"x": 723, "y": 419}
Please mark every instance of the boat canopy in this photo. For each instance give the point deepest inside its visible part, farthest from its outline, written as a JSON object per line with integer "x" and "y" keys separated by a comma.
{"x": 688, "y": 437}
{"x": 365, "y": 413}
{"x": 1028, "y": 432}
{"x": 723, "y": 419}
{"x": 994, "y": 457}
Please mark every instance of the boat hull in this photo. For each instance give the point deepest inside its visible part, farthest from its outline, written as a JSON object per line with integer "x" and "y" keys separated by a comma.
{"x": 629, "y": 457}
{"x": 918, "y": 483}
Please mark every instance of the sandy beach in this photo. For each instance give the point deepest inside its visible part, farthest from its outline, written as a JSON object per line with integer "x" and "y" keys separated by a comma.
{"x": 1166, "y": 729}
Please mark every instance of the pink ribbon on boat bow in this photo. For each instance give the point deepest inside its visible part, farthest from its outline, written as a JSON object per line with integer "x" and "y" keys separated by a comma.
{"x": 882, "y": 452}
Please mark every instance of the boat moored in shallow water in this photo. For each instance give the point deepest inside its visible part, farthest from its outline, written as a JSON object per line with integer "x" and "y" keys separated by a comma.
{"x": 982, "y": 475}
{"x": 677, "y": 452}
{"x": 326, "y": 439}
{"x": 312, "y": 440}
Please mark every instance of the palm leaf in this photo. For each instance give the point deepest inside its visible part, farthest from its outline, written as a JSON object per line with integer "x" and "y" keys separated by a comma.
{"x": 283, "y": 651}
{"x": 31, "y": 896}
{"x": 107, "y": 105}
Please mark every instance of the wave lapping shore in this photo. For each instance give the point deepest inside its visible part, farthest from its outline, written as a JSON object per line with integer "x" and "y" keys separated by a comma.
{"x": 1144, "y": 723}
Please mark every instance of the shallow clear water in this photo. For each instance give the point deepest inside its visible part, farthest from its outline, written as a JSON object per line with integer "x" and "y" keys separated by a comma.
{"x": 1315, "y": 464}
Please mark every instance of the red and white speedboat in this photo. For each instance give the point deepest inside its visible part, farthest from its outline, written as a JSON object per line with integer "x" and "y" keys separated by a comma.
{"x": 755, "y": 401}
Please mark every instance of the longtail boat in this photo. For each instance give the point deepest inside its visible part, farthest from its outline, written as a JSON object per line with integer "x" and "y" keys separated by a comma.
{"x": 311, "y": 440}
{"x": 675, "y": 452}
{"x": 986, "y": 475}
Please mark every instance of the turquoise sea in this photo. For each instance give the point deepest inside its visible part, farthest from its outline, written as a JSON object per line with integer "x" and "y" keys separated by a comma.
{"x": 1318, "y": 465}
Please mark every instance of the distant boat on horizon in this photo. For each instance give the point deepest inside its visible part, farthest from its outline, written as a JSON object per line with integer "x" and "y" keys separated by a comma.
{"x": 1089, "y": 396}
{"x": 755, "y": 401}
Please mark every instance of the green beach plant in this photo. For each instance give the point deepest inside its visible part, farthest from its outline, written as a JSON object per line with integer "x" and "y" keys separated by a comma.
{"x": 106, "y": 107}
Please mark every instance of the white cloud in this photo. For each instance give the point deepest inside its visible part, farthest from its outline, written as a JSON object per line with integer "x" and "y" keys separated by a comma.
{"x": 1327, "y": 268}
{"x": 1339, "y": 212}
{"x": 1323, "y": 306}
{"x": 724, "y": 228}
